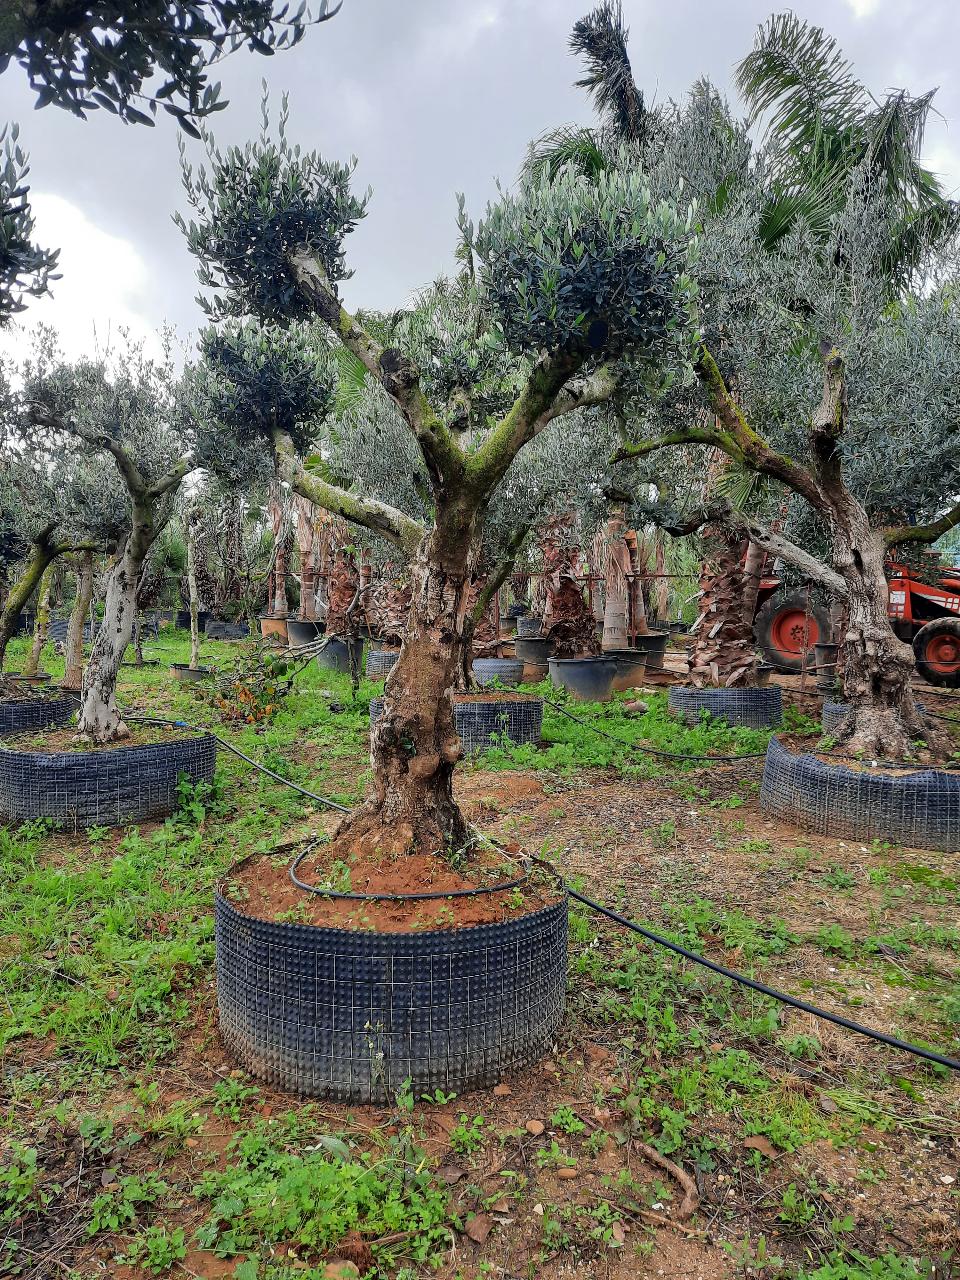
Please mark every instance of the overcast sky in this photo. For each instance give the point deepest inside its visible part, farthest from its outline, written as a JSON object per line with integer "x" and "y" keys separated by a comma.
{"x": 434, "y": 97}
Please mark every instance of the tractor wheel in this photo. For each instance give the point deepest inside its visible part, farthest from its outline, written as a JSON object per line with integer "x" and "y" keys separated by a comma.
{"x": 937, "y": 650}
{"x": 782, "y": 625}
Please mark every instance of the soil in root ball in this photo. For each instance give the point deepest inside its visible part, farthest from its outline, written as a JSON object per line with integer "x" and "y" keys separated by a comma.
{"x": 261, "y": 887}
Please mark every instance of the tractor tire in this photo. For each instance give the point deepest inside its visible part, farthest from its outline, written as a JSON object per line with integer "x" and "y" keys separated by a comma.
{"x": 780, "y": 626}
{"x": 937, "y": 650}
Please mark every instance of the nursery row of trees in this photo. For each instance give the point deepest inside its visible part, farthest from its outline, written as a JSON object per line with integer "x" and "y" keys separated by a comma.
{"x": 664, "y": 321}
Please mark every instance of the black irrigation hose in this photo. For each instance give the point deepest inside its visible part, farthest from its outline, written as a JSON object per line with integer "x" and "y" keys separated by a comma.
{"x": 295, "y": 786}
{"x": 848, "y": 1024}
{"x": 500, "y": 887}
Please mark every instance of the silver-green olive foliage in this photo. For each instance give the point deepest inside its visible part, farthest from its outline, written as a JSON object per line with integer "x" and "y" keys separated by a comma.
{"x": 249, "y": 380}
{"x": 256, "y": 204}
{"x": 588, "y": 266}
{"x": 26, "y": 270}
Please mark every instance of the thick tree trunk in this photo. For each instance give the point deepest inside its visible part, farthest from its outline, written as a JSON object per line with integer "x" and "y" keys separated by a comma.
{"x": 194, "y": 593}
{"x": 42, "y": 553}
{"x": 414, "y": 744}
{"x": 100, "y": 719}
{"x": 752, "y": 574}
{"x": 73, "y": 648}
{"x": 617, "y": 582}
{"x": 723, "y": 653}
{"x": 878, "y": 667}
{"x": 41, "y": 624}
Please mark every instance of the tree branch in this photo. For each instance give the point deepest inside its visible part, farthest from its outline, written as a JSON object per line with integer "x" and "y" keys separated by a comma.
{"x": 502, "y": 570}
{"x": 926, "y": 533}
{"x": 170, "y": 480}
{"x": 487, "y": 467}
{"x": 723, "y": 512}
{"x": 369, "y": 513}
{"x": 830, "y": 420}
{"x": 395, "y": 372}
{"x": 754, "y": 450}
{"x": 689, "y": 435}
{"x": 130, "y": 473}
{"x": 579, "y": 393}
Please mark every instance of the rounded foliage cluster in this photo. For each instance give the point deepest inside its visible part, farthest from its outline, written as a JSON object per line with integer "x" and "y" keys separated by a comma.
{"x": 253, "y": 380}
{"x": 592, "y": 267}
{"x": 254, "y": 207}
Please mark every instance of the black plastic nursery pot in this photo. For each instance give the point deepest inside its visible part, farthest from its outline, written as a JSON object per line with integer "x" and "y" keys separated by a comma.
{"x": 585, "y": 679}
{"x": 748, "y": 708}
{"x": 302, "y": 631}
{"x": 380, "y": 662}
{"x": 508, "y": 624}
{"x": 352, "y": 1015}
{"x": 920, "y": 810}
{"x": 631, "y": 667}
{"x": 528, "y": 625}
{"x": 482, "y": 723}
{"x": 654, "y": 645}
{"x": 218, "y": 629}
{"x": 22, "y": 715}
{"x": 182, "y": 619}
{"x": 506, "y": 671}
{"x": 337, "y": 653}
{"x": 183, "y": 672}
{"x": 103, "y": 788}
{"x": 535, "y": 649}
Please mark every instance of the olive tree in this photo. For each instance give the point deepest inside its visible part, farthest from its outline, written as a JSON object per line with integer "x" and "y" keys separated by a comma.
{"x": 575, "y": 277}
{"x": 808, "y": 373}
{"x": 129, "y": 409}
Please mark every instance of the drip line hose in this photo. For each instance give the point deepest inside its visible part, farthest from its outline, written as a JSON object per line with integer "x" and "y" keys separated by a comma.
{"x": 657, "y": 939}
{"x": 501, "y": 887}
{"x": 847, "y": 1023}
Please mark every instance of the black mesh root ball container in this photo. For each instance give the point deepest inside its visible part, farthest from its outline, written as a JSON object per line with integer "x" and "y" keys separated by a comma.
{"x": 352, "y": 1015}
{"x": 749, "y": 708}
{"x": 21, "y": 715}
{"x": 103, "y": 788}
{"x": 920, "y": 810}
{"x": 487, "y": 722}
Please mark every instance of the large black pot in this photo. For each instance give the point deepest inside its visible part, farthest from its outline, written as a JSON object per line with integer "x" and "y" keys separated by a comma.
{"x": 535, "y": 649}
{"x": 586, "y": 679}
{"x": 102, "y": 788}
{"x": 631, "y": 667}
{"x": 653, "y": 645}
{"x": 186, "y": 674}
{"x": 182, "y": 619}
{"x": 749, "y": 708}
{"x": 303, "y": 631}
{"x": 339, "y": 655}
{"x": 920, "y": 810}
{"x": 356, "y": 1016}
{"x": 484, "y": 724}
{"x": 217, "y": 629}
{"x": 22, "y": 715}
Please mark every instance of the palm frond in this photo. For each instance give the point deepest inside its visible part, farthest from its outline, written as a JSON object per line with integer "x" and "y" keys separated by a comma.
{"x": 738, "y": 484}
{"x": 568, "y": 145}
{"x": 351, "y": 379}
{"x": 798, "y": 74}
{"x": 601, "y": 40}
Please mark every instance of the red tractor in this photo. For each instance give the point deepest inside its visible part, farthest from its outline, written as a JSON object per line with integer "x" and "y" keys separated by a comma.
{"x": 927, "y": 614}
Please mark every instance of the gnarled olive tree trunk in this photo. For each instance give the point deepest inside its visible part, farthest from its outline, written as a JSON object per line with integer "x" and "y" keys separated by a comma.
{"x": 73, "y": 648}
{"x": 43, "y": 551}
{"x": 878, "y": 666}
{"x": 414, "y": 744}
{"x": 41, "y": 624}
{"x": 100, "y": 717}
